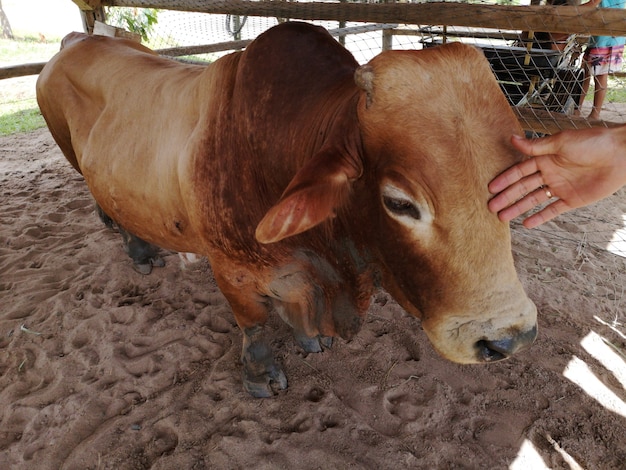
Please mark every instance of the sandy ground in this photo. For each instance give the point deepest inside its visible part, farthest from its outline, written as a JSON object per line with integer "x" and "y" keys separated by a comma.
{"x": 103, "y": 368}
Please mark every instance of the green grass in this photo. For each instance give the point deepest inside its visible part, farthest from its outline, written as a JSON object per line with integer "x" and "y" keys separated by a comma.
{"x": 617, "y": 90}
{"x": 21, "y": 120}
{"x": 27, "y": 49}
{"x": 18, "y": 107}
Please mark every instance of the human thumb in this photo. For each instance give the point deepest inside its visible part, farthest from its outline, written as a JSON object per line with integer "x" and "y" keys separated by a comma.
{"x": 534, "y": 147}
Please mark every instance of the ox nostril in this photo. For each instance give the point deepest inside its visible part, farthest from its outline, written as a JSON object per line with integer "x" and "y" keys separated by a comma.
{"x": 491, "y": 351}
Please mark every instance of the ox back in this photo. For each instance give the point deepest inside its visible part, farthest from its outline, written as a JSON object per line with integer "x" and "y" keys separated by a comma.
{"x": 306, "y": 180}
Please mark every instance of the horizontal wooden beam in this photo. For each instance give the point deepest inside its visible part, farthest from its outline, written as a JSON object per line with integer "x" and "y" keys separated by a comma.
{"x": 88, "y": 5}
{"x": 22, "y": 70}
{"x": 204, "y": 49}
{"x": 566, "y": 19}
{"x": 233, "y": 45}
{"x": 457, "y": 33}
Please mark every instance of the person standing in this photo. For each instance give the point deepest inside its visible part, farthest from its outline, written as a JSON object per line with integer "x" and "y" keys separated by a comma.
{"x": 603, "y": 56}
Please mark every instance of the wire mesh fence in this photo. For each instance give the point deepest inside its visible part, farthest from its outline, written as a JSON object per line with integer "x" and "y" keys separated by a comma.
{"x": 539, "y": 70}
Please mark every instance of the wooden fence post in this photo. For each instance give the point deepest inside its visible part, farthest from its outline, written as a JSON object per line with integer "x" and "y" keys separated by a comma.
{"x": 91, "y": 11}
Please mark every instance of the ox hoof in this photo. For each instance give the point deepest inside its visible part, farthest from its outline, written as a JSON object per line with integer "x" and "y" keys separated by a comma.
{"x": 315, "y": 344}
{"x": 263, "y": 386}
{"x": 262, "y": 376}
{"x": 146, "y": 268}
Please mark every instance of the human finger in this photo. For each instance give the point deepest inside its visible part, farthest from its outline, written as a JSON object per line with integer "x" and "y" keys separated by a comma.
{"x": 528, "y": 202}
{"x": 535, "y": 147}
{"x": 515, "y": 192}
{"x": 511, "y": 176}
{"x": 547, "y": 213}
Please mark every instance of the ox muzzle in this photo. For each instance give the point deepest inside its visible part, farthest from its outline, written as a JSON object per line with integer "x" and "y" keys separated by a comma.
{"x": 495, "y": 334}
{"x": 503, "y": 348}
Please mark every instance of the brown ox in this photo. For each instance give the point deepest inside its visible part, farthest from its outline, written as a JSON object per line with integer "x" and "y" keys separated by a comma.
{"x": 307, "y": 181}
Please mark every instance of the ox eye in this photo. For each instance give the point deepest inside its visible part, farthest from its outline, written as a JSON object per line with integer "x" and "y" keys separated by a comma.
{"x": 402, "y": 207}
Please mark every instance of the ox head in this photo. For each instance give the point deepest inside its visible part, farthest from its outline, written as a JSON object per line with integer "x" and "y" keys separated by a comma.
{"x": 434, "y": 130}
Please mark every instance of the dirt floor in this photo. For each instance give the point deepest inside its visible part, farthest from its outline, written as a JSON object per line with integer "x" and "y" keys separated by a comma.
{"x": 103, "y": 368}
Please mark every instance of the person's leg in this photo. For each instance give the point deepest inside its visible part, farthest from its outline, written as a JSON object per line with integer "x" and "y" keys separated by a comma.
{"x": 586, "y": 82}
{"x": 600, "y": 83}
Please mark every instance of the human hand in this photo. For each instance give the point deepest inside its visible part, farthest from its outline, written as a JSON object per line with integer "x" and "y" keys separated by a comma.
{"x": 570, "y": 169}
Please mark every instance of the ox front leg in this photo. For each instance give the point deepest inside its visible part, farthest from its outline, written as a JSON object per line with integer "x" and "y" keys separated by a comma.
{"x": 314, "y": 344}
{"x": 305, "y": 332}
{"x": 262, "y": 375}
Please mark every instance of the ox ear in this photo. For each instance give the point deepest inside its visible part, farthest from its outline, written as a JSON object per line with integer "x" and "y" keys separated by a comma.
{"x": 317, "y": 190}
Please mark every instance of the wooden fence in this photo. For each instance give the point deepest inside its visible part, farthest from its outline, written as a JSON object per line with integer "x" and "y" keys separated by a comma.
{"x": 559, "y": 19}
{"x": 568, "y": 19}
